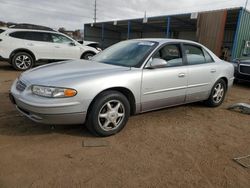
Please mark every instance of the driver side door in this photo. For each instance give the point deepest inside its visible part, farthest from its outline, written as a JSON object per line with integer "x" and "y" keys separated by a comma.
{"x": 167, "y": 85}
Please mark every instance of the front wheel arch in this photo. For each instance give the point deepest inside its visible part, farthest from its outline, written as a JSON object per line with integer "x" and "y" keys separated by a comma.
{"x": 126, "y": 92}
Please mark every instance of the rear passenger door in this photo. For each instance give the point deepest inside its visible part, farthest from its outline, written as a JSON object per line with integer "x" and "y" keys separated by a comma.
{"x": 201, "y": 70}
{"x": 41, "y": 44}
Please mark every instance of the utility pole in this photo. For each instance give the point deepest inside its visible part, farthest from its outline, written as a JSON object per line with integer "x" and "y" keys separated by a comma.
{"x": 246, "y": 4}
{"x": 95, "y": 12}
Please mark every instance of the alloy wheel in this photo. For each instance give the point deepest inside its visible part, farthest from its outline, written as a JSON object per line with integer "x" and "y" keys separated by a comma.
{"x": 111, "y": 115}
{"x": 218, "y": 93}
{"x": 23, "y": 62}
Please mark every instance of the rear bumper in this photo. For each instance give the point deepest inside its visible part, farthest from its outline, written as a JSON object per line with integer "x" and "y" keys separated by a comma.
{"x": 32, "y": 112}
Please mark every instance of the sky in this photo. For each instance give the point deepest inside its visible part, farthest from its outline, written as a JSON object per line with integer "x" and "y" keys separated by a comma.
{"x": 72, "y": 14}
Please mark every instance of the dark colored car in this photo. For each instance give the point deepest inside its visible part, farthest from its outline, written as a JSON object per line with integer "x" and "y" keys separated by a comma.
{"x": 242, "y": 69}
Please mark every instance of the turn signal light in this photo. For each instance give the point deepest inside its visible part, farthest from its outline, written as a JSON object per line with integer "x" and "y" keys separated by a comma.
{"x": 69, "y": 92}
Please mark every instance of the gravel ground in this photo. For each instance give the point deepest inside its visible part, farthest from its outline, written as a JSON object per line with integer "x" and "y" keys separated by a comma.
{"x": 185, "y": 146}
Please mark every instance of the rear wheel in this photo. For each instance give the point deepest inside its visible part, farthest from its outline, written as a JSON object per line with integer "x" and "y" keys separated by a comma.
{"x": 22, "y": 61}
{"x": 217, "y": 94}
{"x": 108, "y": 114}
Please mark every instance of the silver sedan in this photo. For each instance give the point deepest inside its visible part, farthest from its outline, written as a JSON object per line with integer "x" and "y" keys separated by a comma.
{"x": 128, "y": 78}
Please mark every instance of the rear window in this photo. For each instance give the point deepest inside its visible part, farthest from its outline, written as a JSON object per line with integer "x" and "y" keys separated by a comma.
{"x": 1, "y": 31}
{"x": 35, "y": 36}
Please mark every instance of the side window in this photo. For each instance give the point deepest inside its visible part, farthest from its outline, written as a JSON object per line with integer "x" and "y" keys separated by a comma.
{"x": 18, "y": 34}
{"x": 208, "y": 57}
{"x": 171, "y": 54}
{"x": 57, "y": 38}
{"x": 40, "y": 36}
{"x": 35, "y": 36}
{"x": 194, "y": 54}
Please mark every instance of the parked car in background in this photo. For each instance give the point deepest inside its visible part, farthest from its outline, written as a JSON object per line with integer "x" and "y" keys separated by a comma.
{"x": 93, "y": 44}
{"x": 242, "y": 69}
{"x": 24, "y": 47}
{"x": 130, "y": 77}
{"x": 242, "y": 65}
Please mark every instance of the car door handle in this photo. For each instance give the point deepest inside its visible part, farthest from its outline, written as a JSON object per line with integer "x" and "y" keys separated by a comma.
{"x": 181, "y": 75}
{"x": 213, "y": 70}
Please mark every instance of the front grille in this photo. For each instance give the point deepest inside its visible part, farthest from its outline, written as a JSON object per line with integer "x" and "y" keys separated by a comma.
{"x": 20, "y": 86}
{"x": 245, "y": 69}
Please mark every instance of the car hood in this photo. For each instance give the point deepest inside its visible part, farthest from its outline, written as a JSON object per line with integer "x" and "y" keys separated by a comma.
{"x": 69, "y": 70}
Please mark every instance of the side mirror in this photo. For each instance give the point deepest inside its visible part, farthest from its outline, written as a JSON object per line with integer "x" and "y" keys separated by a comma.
{"x": 157, "y": 63}
{"x": 72, "y": 44}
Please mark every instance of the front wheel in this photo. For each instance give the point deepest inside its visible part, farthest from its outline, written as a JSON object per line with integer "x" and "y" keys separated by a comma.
{"x": 108, "y": 114}
{"x": 217, "y": 95}
{"x": 87, "y": 56}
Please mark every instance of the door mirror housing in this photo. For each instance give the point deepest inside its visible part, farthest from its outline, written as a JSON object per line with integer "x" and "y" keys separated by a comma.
{"x": 72, "y": 44}
{"x": 157, "y": 63}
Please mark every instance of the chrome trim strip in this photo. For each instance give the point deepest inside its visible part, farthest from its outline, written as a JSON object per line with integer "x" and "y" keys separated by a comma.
{"x": 165, "y": 90}
{"x": 175, "y": 88}
{"x": 197, "y": 85}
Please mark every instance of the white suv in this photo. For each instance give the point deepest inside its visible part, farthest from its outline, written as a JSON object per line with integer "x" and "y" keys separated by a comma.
{"x": 23, "y": 47}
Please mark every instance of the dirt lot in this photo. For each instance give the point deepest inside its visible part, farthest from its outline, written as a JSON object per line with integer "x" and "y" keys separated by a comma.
{"x": 186, "y": 146}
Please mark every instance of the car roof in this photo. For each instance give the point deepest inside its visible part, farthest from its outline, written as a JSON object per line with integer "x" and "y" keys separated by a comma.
{"x": 165, "y": 40}
{"x": 33, "y": 30}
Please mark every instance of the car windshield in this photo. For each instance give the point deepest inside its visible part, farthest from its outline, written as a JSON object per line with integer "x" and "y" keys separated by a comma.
{"x": 127, "y": 53}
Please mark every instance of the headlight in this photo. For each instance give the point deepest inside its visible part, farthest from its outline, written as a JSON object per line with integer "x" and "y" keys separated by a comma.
{"x": 53, "y": 92}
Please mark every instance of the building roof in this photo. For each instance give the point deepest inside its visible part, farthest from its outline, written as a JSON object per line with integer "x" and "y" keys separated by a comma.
{"x": 181, "y": 21}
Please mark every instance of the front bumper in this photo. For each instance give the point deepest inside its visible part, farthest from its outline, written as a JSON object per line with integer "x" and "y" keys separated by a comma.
{"x": 48, "y": 115}
{"x": 241, "y": 77}
{"x": 3, "y": 59}
{"x": 238, "y": 74}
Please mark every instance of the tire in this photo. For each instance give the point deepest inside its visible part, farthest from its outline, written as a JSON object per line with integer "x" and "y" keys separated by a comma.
{"x": 216, "y": 99}
{"x": 87, "y": 55}
{"x": 22, "y": 61}
{"x": 106, "y": 117}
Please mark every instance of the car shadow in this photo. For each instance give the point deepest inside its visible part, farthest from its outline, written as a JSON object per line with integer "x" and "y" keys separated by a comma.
{"x": 18, "y": 125}
{"x": 242, "y": 84}
{"x": 5, "y": 66}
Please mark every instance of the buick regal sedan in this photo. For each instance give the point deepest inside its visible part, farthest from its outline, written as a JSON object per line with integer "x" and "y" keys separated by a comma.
{"x": 130, "y": 77}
